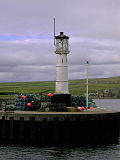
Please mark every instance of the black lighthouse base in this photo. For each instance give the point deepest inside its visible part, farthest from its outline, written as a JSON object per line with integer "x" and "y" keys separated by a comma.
{"x": 62, "y": 99}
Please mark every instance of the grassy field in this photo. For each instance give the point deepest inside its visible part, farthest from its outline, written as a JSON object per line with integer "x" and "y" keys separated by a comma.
{"x": 77, "y": 87}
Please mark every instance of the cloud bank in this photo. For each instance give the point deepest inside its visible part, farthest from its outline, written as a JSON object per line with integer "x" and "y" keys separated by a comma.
{"x": 26, "y": 38}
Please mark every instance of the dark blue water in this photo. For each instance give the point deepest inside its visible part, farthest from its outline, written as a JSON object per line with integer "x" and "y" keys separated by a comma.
{"x": 104, "y": 152}
{"x": 110, "y": 152}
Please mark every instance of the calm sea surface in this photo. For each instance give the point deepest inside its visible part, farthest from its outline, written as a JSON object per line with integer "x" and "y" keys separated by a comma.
{"x": 106, "y": 152}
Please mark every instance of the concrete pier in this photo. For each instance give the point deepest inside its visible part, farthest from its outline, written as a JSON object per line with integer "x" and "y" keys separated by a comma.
{"x": 60, "y": 128}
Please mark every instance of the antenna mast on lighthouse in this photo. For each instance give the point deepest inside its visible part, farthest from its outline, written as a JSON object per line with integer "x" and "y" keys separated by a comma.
{"x": 54, "y": 31}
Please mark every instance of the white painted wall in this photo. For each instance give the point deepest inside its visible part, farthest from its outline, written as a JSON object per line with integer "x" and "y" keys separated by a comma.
{"x": 62, "y": 74}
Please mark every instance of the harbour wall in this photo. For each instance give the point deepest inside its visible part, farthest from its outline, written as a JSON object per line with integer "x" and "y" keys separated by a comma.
{"x": 59, "y": 128}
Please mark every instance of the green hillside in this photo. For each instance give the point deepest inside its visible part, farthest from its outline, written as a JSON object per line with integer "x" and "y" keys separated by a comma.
{"x": 77, "y": 87}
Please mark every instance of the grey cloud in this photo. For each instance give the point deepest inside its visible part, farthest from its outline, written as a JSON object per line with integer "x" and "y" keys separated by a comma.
{"x": 20, "y": 54}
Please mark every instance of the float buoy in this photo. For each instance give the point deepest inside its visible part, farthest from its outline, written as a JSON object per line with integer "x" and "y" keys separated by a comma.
{"x": 81, "y": 108}
{"x": 23, "y": 97}
{"x": 92, "y": 107}
{"x": 29, "y": 104}
{"x": 50, "y": 94}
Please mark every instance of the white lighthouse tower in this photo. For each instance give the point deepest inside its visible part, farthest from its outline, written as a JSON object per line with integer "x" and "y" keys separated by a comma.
{"x": 62, "y": 50}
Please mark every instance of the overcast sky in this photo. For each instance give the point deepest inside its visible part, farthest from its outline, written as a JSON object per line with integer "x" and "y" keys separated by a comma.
{"x": 26, "y": 38}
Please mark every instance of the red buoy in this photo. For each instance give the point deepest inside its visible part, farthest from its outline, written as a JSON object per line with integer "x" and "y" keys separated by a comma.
{"x": 92, "y": 107}
{"x": 81, "y": 108}
{"x": 50, "y": 94}
{"x": 29, "y": 104}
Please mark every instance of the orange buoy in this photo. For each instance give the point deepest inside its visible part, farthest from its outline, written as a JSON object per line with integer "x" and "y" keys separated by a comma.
{"x": 23, "y": 97}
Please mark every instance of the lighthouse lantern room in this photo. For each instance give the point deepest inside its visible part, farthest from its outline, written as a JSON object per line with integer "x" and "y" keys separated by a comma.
{"x": 62, "y": 46}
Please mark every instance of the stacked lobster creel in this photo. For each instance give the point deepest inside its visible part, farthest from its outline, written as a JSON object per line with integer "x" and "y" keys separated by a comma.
{"x": 27, "y": 102}
{"x": 45, "y": 99}
{"x": 80, "y": 102}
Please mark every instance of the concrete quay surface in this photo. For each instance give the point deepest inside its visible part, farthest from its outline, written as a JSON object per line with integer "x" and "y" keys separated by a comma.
{"x": 88, "y": 114}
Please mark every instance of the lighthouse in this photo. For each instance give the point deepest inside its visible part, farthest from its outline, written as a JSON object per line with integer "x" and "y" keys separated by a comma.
{"x": 62, "y": 95}
{"x": 62, "y": 50}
